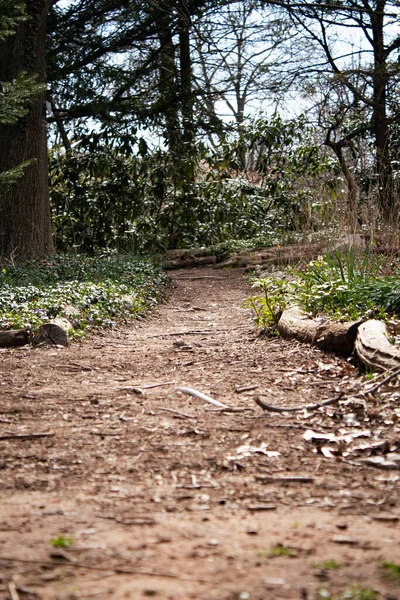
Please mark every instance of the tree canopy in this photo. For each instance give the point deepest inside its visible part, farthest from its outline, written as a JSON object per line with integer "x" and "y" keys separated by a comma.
{"x": 143, "y": 86}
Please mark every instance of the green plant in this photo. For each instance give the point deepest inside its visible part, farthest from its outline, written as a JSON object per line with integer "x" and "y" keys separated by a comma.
{"x": 280, "y": 550}
{"x": 89, "y": 291}
{"x": 269, "y": 306}
{"x": 390, "y": 570}
{"x": 62, "y": 542}
{"x": 328, "y": 564}
{"x": 355, "y": 593}
{"x": 344, "y": 286}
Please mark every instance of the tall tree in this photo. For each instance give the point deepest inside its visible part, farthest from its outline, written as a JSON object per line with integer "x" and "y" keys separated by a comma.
{"x": 239, "y": 52}
{"x": 360, "y": 42}
{"x": 25, "y": 230}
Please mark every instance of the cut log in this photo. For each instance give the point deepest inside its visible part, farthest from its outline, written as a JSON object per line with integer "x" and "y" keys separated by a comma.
{"x": 14, "y": 337}
{"x": 190, "y": 261}
{"x": 325, "y": 334}
{"x": 52, "y": 334}
{"x": 373, "y": 347}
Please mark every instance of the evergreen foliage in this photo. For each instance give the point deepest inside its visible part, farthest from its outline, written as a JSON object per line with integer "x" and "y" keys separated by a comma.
{"x": 17, "y": 95}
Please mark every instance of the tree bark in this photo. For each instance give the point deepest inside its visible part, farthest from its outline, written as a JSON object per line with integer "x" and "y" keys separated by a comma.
{"x": 185, "y": 63}
{"x": 379, "y": 117}
{"x": 25, "y": 225}
{"x": 352, "y": 187}
{"x": 326, "y": 335}
{"x": 374, "y": 349}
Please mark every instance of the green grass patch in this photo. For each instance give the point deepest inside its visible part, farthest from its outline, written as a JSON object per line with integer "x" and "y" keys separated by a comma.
{"x": 355, "y": 593}
{"x": 345, "y": 286}
{"x": 278, "y": 550}
{"x": 329, "y": 564}
{"x": 390, "y": 571}
{"x": 88, "y": 291}
{"x": 62, "y": 542}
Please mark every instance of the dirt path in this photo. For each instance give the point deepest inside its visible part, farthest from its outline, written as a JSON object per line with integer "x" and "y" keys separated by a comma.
{"x": 186, "y": 504}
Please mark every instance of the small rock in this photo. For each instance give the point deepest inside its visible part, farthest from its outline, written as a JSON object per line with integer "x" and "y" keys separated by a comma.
{"x": 252, "y": 530}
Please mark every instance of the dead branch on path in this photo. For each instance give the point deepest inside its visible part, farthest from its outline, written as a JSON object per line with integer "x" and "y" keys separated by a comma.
{"x": 282, "y": 409}
{"x": 245, "y": 388}
{"x": 24, "y": 436}
{"x": 201, "y": 396}
{"x": 116, "y": 570}
{"x": 193, "y": 332}
{"x": 392, "y": 375}
{"x": 13, "y": 591}
{"x": 341, "y": 396}
{"x": 178, "y": 413}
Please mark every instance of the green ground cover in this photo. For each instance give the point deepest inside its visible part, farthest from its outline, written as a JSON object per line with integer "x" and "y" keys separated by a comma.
{"x": 89, "y": 291}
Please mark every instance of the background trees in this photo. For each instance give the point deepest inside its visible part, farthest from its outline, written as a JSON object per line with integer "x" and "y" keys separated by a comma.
{"x": 139, "y": 97}
{"x": 359, "y": 42}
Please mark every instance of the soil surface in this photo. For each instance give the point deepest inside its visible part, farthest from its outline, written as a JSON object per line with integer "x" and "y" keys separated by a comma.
{"x": 150, "y": 492}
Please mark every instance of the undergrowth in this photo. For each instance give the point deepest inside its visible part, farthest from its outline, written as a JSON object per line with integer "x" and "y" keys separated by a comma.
{"x": 88, "y": 291}
{"x": 345, "y": 286}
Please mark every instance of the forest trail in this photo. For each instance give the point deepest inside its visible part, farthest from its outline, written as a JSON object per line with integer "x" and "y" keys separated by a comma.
{"x": 162, "y": 495}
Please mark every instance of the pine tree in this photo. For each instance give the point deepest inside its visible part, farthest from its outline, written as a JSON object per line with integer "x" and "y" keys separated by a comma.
{"x": 25, "y": 231}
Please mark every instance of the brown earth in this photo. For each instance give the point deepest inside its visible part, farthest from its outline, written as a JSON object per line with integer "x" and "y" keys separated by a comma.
{"x": 167, "y": 496}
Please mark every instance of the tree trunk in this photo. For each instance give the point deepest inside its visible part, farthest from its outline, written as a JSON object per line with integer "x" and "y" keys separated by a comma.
{"x": 185, "y": 63}
{"x": 25, "y": 229}
{"x": 167, "y": 81}
{"x": 379, "y": 117}
{"x": 352, "y": 187}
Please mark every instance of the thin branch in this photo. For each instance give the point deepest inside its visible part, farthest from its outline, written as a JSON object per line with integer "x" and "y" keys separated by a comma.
{"x": 281, "y": 409}
{"x": 24, "y": 436}
{"x": 118, "y": 570}
{"x": 201, "y": 396}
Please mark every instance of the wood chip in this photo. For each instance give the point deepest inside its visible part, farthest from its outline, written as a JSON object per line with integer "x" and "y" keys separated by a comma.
{"x": 386, "y": 518}
{"x": 338, "y": 539}
{"x": 284, "y": 479}
{"x": 261, "y": 507}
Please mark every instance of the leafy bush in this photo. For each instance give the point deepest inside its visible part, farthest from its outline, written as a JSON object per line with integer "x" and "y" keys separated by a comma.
{"x": 89, "y": 291}
{"x": 119, "y": 193}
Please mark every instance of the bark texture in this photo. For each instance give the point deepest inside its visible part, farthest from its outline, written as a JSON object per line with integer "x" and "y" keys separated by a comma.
{"x": 326, "y": 335}
{"x": 25, "y": 229}
{"x": 374, "y": 349}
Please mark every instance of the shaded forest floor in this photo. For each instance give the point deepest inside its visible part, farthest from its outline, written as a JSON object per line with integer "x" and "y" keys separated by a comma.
{"x": 162, "y": 495}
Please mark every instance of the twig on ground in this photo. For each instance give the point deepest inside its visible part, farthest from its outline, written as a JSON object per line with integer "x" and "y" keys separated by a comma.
{"x": 245, "y": 388}
{"x": 24, "y": 436}
{"x": 154, "y": 385}
{"x": 193, "y": 332}
{"x": 197, "y": 394}
{"x": 178, "y": 413}
{"x": 105, "y": 433}
{"x": 281, "y": 409}
{"x": 342, "y": 396}
{"x": 283, "y": 479}
{"x": 198, "y": 277}
{"x": 383, "y": 382}
{"x": 117, "y": 570}
{"x": 13, "y": 591}
{"x": 230, "y": 410}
